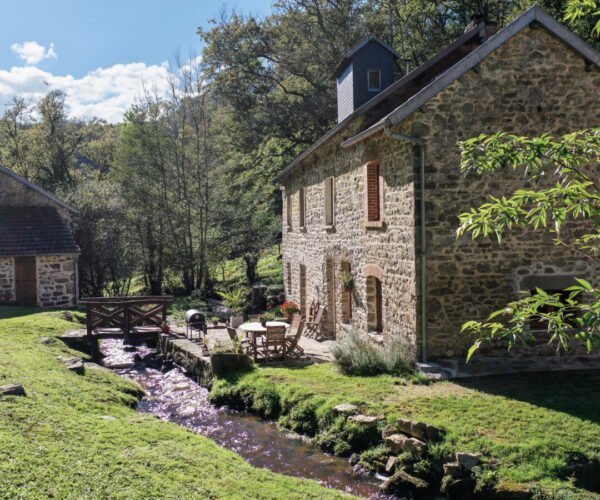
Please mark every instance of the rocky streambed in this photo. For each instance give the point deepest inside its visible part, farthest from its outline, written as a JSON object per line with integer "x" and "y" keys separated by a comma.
{"x": 173, "y": 396}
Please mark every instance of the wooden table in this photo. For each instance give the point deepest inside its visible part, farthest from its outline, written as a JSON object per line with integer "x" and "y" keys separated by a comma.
{"x": 255, "y": 329}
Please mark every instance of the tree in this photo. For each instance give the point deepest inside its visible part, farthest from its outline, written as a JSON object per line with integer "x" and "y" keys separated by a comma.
{"x": 564, "y": 199}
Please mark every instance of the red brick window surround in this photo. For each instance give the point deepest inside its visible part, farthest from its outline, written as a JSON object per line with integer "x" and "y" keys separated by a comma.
{"x": 373, "y": 194}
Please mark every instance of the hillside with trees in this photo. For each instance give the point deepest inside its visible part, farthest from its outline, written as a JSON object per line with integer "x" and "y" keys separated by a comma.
{"x": 184, "y": 183}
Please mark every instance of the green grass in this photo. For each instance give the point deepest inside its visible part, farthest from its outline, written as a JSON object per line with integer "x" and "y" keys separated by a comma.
{"x": 531, "y": 424}
{"x": 269, "y": 270}
{"x": 79, "y": 436}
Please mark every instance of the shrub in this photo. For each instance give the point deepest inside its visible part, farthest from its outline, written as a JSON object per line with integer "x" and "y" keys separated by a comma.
{"x": 358, "y": 355}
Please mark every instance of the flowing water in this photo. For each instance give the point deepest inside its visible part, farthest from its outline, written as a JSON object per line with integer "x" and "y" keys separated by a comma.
{"x": 174, "y": 397}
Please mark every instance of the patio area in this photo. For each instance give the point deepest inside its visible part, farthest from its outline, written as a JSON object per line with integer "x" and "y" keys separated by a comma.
{"x": 217, "y": 339}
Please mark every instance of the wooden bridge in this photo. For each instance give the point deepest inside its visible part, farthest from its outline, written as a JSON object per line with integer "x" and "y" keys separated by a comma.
{"x": 126, "y": 317}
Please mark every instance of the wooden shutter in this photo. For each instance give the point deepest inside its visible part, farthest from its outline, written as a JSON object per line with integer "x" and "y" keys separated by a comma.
{"x": 288, "y": 208}
{"x": 329, "y": 201}
{"x": 301, "y": 207}
{"x": 373, "y": 192}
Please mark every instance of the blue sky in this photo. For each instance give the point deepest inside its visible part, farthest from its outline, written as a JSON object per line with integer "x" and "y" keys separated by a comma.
{"x": 98, "y": 50}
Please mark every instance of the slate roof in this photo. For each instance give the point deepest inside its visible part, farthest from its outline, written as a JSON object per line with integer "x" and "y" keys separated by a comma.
{"x": 34, "y": 231}
{"x": 395, "y": 103}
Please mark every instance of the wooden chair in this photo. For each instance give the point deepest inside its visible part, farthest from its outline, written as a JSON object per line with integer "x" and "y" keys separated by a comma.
{"x": 313, "y": 328}
{"x": 274, "y": 343}
{"x": 240, "y": 345}
{"x": 292, "y": 347}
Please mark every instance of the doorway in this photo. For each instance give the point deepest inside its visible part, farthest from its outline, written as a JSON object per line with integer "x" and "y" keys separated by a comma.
{"x": 25, "y": 281}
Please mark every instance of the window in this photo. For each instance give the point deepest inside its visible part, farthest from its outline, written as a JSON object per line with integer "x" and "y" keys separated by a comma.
{"x": 346, "y": 292}
{"x": 372, "y": 192}
{"x": 288, "y": 268}
{"x": 301, "y": 207}
{"x": 374, "y": 310}
{"x": 541, "y": 323}
{"x": 329, "y": 201}
{"x": 374, "y": 80}
{"x": 288, "y": 210}
{"x": 303, "y": 289}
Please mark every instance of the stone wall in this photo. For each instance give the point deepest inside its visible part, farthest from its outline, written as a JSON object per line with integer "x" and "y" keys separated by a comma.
{"x": 7, "y": 280}
{"x": 348, "y": 243}
{"x": 531, "y": 84}
{"x": 57, "y": 280}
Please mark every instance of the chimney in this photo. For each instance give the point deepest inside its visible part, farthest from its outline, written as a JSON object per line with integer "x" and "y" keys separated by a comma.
{"x": 363, "y": 73}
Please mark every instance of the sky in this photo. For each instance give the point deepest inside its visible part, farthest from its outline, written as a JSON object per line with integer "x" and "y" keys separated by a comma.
{"x": 99, "y": 51}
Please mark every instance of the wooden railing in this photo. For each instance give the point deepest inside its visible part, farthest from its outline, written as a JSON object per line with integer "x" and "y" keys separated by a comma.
{"x": 123, "y": 316}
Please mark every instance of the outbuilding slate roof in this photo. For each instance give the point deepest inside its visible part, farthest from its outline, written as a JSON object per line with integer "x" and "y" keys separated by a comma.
{"x": 34, "y": 231}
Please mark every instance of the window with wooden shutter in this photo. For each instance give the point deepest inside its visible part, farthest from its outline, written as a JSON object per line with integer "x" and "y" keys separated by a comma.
{"x": 329, "y": 201}
{"x": 373, "y": 192}
{"x": 288, "y": 209}
{"x": 301, "y": 207}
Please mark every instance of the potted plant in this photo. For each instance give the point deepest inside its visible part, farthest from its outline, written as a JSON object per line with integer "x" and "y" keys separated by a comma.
{"x": 215, "y": 320}
{"x": 234, "y": 300}
{"x": 263, "y": 318}
{"x": 347, "y": 281}
{"x": 289, "y": 308}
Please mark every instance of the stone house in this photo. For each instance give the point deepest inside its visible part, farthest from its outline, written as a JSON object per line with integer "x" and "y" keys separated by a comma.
{"x": 377, "y": 198}
{"x": 38, "y": 254}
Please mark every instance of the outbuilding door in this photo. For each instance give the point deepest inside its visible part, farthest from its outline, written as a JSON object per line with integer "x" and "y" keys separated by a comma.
{"x": 25, "y": 281}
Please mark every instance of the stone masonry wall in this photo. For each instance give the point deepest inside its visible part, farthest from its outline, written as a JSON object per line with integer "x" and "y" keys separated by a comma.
{"x": 56, "y": 277}
{"x": 7, "y": 280}
{"x": 390, "y": 248}
{"x": 532, "y": 84}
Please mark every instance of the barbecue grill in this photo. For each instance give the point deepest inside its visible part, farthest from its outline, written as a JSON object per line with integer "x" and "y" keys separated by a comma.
{"x": 195, "y": 321}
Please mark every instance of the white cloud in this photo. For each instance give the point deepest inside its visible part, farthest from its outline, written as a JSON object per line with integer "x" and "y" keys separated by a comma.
{"x": 104, "y": 93}
{"x": 33, "y": 52}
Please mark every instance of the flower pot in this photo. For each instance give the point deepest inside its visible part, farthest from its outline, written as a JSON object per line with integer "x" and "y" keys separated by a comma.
{"x": 236, "y": 320}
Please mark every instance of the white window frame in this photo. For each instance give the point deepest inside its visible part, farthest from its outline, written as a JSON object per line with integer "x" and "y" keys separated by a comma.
{"x": 369, "y": 88}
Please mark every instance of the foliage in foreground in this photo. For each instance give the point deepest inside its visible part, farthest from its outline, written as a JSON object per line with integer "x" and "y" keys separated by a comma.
{"x": 561, "y": 192}
{"x": 79, "y": 437}
{"x": 356, "y": 354}
{"x": 535, "y": 429}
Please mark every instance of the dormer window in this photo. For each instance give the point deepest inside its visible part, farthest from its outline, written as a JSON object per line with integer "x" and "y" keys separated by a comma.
{"x": 374, "y": 80}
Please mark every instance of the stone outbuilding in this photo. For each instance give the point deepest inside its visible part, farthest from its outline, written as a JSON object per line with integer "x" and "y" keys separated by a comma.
{"x": 374, "y": 203}
{"x": 38, "y": 254}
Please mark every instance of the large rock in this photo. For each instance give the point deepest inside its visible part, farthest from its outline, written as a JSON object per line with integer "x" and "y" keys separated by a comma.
{"x": 346, "y": 409}
{"x": 12, "y": 390}
{"x": 419, "y": 430}
{"x": 366, "y": 419}
{"x": 75, "y": 365}
{"x": 391, "y": 464}
{"x": 468, "y": 460}
{"x": 399, "y": 443}
{"x": 404, "y": 485}
{"x": 453, "y": 469}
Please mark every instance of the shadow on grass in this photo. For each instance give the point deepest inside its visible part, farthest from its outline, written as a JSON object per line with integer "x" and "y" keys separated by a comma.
{"x": 574, "y": 393}
{"x": 8, "y": 312}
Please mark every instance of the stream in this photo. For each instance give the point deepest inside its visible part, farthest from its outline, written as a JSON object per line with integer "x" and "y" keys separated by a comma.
{"x": 176, "y": 398}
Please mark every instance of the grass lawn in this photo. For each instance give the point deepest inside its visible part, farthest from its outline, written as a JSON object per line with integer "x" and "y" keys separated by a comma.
{"x": 531, "y": 424}
{"x": 79, "y": 437}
